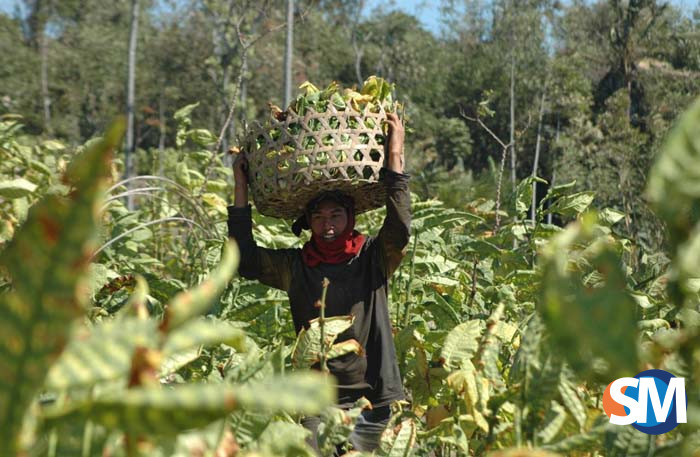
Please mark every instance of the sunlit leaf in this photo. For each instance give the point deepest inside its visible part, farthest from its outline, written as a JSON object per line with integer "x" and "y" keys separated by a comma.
{"x": 169, "y": 410}
{"x": 16, "y": 188}
{"x": 102, "y": 353}
{"x": 307, "y": 348}
{"x": 461, "y": 344}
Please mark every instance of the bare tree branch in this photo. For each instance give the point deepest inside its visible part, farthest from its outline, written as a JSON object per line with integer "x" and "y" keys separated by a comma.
{"x": 504, "y": 147}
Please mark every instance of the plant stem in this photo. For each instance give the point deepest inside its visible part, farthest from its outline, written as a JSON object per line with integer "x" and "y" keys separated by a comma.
{"x": 87, "y": 439}
{"x": 472, "y": 293}
{"x": 518, "y": 427}
{"x": 410, "y": 279}
{"x": 321, "y": 322}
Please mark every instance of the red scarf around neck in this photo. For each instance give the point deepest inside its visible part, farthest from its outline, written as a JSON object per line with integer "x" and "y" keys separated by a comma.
{"x": 343, "y": 248}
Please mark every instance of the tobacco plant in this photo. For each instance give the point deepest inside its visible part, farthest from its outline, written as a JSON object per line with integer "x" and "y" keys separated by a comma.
{"x": 506, "y": 334}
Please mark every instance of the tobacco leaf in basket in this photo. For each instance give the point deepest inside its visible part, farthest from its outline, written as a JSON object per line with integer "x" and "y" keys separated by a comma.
{"x": 375, "y": 94}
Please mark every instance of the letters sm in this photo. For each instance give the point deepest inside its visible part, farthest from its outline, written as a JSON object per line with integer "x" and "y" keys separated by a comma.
{"x": 647, "y": 389}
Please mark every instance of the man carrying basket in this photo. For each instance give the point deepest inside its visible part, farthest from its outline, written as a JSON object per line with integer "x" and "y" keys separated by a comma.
{"x": 358, "y": 268}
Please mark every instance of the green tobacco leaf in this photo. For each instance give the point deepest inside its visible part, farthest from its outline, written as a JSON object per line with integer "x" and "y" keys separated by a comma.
{"x": 202, "y": 137}
{"x": 554, "y": 421}
{"x": 248, "y": 425}
{"x": 628, "y": 442}
{"x": 587, "y": 322}
{"x": 174, "y": 362}
{"x": 204, "y": 332}
{"x": 561, "y": 189}
{"x": 401, "y": 442}
{"x": 338, "y": 101}
{"x": 445, "y": 315}
{"x": 461, "y": 344}
{"x": 571, "y": 400}
{"x": 337, "y": 426}
{"x": 653, "y": 324}
{"x": 346, "y": 347}
{"x": 216, "y": 202}
{"x": 47, "y": 261}
{"x": 584, "y": 441}
{"x": 189, "y": 304}
{"x": 473, "y": 388}
{"x": 572, "y": 205}
{"x": 543, "y": 382}
{"x": 182, "y": 174}
{"x": 282, "y": 439}
{"x": 490, "y": 347}
{"x": 53, "y": 145}
{"x": 16, "y": 188}
{"x": 102, "y": 353}
{"x": 610, "y": 216}
{"x": 250, "y": 311}
{"x": 307, "y": 348}
{"x": 642, "y": 301}
{"x": 445, "y": 218}
{"x": 371, "y": 86}
{"x": 523, "y": 193}
{"x": 168, "y": 411}
{"x": 527, "y": 358}
{"x": 184, "y": 113}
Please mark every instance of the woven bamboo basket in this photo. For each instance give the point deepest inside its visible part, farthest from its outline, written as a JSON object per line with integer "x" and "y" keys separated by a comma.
{"x": 292, "y": 160}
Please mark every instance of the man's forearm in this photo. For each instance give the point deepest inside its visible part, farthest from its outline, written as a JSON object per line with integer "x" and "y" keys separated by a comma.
{"x": 396, "y": 229}
{"x": 395, "y": 162}
{"x": 240, "y": 198}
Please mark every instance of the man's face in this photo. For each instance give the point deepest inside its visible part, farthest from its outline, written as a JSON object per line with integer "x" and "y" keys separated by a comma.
{"x": 328, "y": 220}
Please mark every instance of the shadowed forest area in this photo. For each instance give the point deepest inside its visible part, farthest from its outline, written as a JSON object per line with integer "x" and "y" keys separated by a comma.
{"x": 578, "y": 90}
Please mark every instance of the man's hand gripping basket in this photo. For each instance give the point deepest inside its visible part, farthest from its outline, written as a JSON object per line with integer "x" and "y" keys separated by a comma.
{"x": 292, "y": 160}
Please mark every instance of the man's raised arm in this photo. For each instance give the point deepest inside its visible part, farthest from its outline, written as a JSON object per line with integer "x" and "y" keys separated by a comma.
{"x": 395, "y": 232}
{"x": 269, "y": 266}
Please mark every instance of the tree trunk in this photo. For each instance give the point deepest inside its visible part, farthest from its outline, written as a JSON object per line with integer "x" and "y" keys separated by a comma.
{"x": 161, "y": 122}
{"x": 512, "y": 118}
{"x": 130, "y": 93}
{"x": 161, "y": 130}
{"x": 533, "y": 210}
{"x": 228, "y": 158}
{"x": 226, "y": 77}
{"x": 288, "y": 52}
{"x": 244, "y": 92}
{"x": 358, "y": 63}
{"x": 554, "y": 174}
{"x": 356, "y": 45}
{"x": 46, "y": 100}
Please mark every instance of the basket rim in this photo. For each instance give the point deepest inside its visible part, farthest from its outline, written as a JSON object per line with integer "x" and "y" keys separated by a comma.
{"x": 255, "y": 126}
{"x": 295, "y": 207}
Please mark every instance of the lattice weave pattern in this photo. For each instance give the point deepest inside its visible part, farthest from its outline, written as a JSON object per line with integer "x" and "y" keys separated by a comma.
{"x": 292, "y": 160}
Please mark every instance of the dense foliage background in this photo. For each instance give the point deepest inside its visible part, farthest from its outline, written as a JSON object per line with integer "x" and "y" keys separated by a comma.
{"x": 513, "y": 309}
{"x": 598, "y": 83}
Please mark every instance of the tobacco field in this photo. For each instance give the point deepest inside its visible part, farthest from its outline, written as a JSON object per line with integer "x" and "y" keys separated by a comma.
{"x": 554, "y": 154}
{"x": 123, "y": 332}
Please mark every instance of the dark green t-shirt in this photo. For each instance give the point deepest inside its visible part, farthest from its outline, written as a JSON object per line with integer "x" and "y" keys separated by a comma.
{"x": 357, "y": 287}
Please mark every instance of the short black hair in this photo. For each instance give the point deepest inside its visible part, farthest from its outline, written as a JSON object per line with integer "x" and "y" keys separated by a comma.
{"x": 334, "y": 196}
